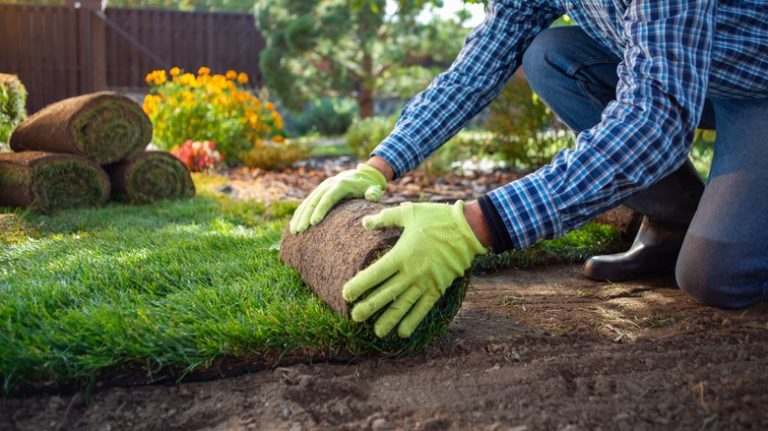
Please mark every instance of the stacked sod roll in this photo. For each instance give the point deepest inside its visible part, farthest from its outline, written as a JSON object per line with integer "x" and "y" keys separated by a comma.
{"x": 105, "y": 127}
{"x": 104, "y": 131}
{"x": 150, "y": 176}
{"x": 51, "y": 181}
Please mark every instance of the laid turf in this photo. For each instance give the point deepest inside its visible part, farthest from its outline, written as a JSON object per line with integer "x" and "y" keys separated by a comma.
{"x": 179, "y": 286}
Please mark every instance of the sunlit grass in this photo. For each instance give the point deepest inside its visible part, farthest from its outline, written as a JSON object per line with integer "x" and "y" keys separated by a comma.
{"x": 174, "y": 285}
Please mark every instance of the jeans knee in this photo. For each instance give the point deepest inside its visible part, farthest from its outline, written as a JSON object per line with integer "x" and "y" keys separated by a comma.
{"x": 698, "y": 285}
{"x": 539, "y": 59}
{"x": 714, "y": 275}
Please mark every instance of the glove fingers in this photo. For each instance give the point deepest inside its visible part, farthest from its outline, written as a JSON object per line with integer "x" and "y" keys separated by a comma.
{"x": 370, "y": 277}
{"x": 386, "y": 218}
{"x": 306, "y": 208}
{"x": 324, "y": 205}
{"x": 417, "y": 314}
{"x": 374, "y": 193}
{"x": 395, "y": 312}
{"x": 383, "y": 295}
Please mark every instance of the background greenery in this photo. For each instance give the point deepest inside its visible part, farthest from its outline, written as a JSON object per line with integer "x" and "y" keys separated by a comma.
{"x": 13, "y": 98}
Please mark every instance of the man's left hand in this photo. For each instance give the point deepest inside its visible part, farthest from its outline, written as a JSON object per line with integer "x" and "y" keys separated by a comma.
{"x": 436, "y": 247}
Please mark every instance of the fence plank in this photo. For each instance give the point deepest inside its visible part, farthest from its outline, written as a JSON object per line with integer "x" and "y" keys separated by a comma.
{"x": 51, "y": 47}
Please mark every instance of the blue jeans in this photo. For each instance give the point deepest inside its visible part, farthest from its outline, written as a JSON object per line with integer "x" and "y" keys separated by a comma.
{"x": 724, "y": 258}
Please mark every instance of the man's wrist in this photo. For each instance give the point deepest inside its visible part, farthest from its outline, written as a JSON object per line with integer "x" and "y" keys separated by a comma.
{"x": 474, "y": 215}
{"x": 382, "y": 166}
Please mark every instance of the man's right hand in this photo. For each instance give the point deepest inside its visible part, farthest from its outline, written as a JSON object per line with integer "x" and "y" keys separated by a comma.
{"x": 364, "y": 182}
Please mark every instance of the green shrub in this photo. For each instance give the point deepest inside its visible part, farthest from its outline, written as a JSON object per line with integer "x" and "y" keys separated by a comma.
{"x": 13, "y": 98}
{"x": 326, "y": 116}
{"x": 527, "y": 133}
{"x": 275, "y": 156}
{"x": 364, "y": 135}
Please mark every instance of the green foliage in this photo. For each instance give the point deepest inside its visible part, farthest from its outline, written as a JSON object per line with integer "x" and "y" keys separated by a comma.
{"x": 13, "y": 99}
{"x": 342, "y": 48}
{"x": 527, "y": 132}
{"x": 327, "y": 116}
{"x": 273, "y": 157}
{"x": 576, "y": 246}
{"x": 365, "y": 134}
{"x": 703, "y": 151}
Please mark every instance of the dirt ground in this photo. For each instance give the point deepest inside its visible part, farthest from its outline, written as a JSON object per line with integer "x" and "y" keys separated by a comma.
{"x": 536, "y": 349}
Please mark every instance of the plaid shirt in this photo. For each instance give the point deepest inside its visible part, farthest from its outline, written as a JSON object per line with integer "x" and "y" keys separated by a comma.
{"x": 674, "y": 54}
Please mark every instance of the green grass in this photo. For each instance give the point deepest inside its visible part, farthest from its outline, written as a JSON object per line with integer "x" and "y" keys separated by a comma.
{"x": 166, "y": 288}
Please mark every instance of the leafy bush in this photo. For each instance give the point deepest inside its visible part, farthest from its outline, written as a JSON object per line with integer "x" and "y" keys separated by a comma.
{"x": 13, "y": 98}
{"x": 527, "y": 133}
{"x": 364, "y": 135}
{"x": 326, "y": 116}
{"x": 703, "y": 151}
{"x": 206, "y": 107}
{"x": 271, "y": 156}
{"x": 197, "y": 156}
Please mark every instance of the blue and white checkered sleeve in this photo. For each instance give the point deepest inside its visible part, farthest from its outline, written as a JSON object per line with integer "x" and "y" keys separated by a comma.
{"x": 491, "y": 54}
{"x": 644, "y": 134}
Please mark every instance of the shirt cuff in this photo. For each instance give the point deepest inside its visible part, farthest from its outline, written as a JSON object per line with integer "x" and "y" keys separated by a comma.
{"x": 399, "y": 152}
{"x": 528, "y": 211}
{"x": 499, "y": 233}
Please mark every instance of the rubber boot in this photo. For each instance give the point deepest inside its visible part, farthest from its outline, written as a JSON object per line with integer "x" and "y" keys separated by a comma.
{"x": 668, "y": 208}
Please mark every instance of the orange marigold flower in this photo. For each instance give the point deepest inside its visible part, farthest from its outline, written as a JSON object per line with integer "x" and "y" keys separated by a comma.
{"x": 242, "y": 78}
{"x": 203, "y": 71}
{"x": 175, "y": 71}
{"x": 279, "y": 139}
{"x": 231, "y": 74}
{"x": 156, "y": 77}
{"x": 270, "y": 106}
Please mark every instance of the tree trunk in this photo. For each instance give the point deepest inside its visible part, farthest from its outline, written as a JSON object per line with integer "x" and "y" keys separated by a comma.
{"x": 365, "y": 92}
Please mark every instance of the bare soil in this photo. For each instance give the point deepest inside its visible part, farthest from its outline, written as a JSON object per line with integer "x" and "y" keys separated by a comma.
{"x": 536, "y": 349}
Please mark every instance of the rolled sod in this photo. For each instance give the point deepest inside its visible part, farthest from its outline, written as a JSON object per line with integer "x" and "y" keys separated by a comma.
{"x": 149, "y": 177}
{"x": 105, "y": 126}
{"x": 327, "y": 255}
{"x": 48, "y": 181}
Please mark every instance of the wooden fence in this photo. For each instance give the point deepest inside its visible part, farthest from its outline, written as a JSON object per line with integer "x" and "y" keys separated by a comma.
{"x": 61, "y": 51}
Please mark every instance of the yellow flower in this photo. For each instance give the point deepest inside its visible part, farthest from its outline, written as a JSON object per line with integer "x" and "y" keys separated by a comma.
{"x": 150, "y": 103}
{"x": 270, "y": 106}
{"x": 187, "y": 79}
{"x": 175, "y": 71}
{"x": 203, "y": 71}
{"x": 231, "y": 74}
{"x": 242, "y": 78}
{"x": 156, "y": 77}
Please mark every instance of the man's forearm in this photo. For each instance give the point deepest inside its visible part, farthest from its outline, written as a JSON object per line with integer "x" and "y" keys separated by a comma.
{"x": 382, "y": 166}
{"x": 476, "y": 220}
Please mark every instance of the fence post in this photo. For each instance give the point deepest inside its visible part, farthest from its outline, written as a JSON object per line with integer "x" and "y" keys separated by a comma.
{"x": 92, "y": 46}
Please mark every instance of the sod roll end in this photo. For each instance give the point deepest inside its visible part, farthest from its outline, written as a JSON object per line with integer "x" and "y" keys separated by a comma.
{"x": 328, "y": 255}
{"x": 105, "y": 126}
{"x": 48, "y": 181}
{"x": 149, "y": 177}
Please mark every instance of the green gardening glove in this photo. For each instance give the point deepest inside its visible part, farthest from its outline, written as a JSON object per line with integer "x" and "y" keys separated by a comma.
{"x": 436, "y": 247}
{"x": 365, "y": 181}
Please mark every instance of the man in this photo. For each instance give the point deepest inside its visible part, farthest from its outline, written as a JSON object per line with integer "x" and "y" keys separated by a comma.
{"x": 634, "y": 80}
